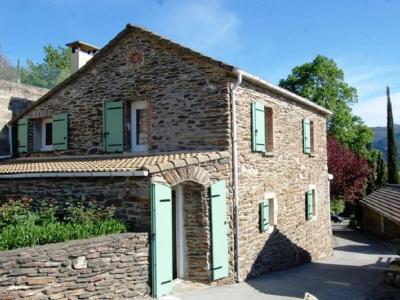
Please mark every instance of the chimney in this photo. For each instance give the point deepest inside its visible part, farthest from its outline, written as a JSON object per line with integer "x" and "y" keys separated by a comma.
{"x": 81, "y": 53}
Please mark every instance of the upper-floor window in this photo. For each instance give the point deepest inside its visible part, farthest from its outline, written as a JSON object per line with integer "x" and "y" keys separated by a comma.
{"x": 43, "y": 134}
{"x": 308, "y": 136}
{"x": 262, "y": 128}
{"x": 139, "y": 126}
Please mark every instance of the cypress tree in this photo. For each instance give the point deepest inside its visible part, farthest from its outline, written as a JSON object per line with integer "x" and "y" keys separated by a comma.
{"x": 393, "y": 173}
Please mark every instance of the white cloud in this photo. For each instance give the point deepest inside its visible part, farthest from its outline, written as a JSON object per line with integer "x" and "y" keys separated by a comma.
{"x": 205, "y": 25}
{"x": 373, "y": 110}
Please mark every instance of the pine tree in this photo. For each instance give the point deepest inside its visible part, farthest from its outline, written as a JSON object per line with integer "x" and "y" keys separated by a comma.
{"x": 393, "y": 173}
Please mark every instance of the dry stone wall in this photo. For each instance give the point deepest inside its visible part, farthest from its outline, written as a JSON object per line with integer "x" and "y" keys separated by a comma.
{"x": 108, "y": 267}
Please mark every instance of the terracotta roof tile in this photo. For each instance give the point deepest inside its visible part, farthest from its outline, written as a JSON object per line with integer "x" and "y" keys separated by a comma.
{"x": 106, "y": 163}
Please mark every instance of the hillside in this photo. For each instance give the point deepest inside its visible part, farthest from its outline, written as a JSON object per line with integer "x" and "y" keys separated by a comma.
{"x": 380, "y": 141}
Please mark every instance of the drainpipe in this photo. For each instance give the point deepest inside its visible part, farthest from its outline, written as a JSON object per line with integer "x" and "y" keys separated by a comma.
{"x": 235, "y": 170}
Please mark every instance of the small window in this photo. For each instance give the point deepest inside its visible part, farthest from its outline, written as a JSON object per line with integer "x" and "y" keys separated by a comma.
{"x": 43, "y": 134}
{"x": 308, "y": 136}
{"x": 311, "y": 203}
{"x": 269, "y": 129}
{"x": 139, "y": 126}
{"x": 268, "y": 213}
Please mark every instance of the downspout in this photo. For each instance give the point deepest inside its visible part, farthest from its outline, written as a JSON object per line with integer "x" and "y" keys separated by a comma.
{"x": 235, "y": 170}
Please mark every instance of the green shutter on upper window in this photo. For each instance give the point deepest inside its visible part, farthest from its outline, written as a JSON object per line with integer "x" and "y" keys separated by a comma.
{"x": 306, "y": 136}
{"x": 22, "y": 133}
{"x": 60, "y": 131}
{"x": 309, "y": 205}
{"x": 258, "y": 127}
{"x": 113, "y": 127}
{"x": 264, "y": 216}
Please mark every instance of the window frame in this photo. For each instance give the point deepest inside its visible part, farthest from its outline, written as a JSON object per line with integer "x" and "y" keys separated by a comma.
{"x": 273, "y": 210}
{"x": 312, "y": 188}
{"x": 134, "y": 107}
{"x": 43, "y": 146}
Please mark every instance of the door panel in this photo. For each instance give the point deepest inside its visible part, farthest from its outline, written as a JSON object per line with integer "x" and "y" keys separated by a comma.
{"x": 219, "y": 231}
{"x": 161, "y": 239}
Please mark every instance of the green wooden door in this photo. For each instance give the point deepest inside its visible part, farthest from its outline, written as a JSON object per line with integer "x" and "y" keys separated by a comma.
{"x": 60, "y": 132}
{"x": 219, "y": 231}
{"x": 161, "y": 239}
{"x": 113, "y": 127}
{"x": 22, "y": 135}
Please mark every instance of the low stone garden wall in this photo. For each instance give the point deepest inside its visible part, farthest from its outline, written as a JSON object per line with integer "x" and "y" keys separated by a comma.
{"x": 108, "y": 267}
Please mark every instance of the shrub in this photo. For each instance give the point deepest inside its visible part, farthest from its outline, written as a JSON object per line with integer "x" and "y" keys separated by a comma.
{"x": 22, "y": 225}
{"x": 337, "y": 206}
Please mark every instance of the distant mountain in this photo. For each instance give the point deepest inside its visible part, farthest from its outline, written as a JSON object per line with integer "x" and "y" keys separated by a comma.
{"x": 380, "y": 141}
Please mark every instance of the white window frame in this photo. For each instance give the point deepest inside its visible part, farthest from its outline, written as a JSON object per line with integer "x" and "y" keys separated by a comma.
{"x": 311, "y": 188}
{"x": 45, "y": 147}
{"x": 135, "y": 106}
{"x": 273, "y": 216}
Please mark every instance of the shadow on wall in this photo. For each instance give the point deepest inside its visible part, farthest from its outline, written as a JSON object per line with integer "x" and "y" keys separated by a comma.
{"x": 279, "y": 253}
{"x": 16, "y": 106}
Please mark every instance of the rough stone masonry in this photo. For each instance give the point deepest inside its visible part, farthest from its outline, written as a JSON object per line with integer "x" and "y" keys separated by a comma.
{"x": 108, "y": 267}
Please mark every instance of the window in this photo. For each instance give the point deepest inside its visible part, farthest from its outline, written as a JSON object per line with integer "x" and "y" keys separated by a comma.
{"x": 43, "y": 134}
{"x": 311, "y": 197}
{"x": 139, "y": 126}
{"x": 262, "y": 128}
{"x": 308, "y": 136}
{"x": 268, "y": 213}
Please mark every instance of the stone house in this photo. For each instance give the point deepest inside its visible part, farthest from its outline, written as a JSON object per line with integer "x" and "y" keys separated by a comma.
{"x": 227, "y": 171}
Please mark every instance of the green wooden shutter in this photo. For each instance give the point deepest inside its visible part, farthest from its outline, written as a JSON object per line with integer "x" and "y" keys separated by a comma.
{"x": 219, "y": 231}
{"x": 306, "y": 136}
{"x": 22, "y": 135}
{"x": 309, "y": 205}
{"x": 113, "y": 127}
{"x": 264, "y": 216}
{"x": 161, "y": 239}
{"x": 258, "y": 127}
{"x": 60, "y": 131}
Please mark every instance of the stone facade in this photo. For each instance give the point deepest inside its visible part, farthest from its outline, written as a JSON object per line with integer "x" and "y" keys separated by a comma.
{"x": 188, "y": 105}
{"x": 109, "y": 267}
{"x": 179, "y": 118}
{"x": 287, "y": 172}
{"x": 14, "y": 98}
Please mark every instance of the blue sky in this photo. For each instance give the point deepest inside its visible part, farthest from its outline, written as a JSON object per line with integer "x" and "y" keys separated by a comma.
{"x": 264, "y": 37}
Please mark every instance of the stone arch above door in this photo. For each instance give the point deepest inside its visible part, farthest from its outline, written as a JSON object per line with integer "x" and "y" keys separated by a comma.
{"x": 193, "y": 173}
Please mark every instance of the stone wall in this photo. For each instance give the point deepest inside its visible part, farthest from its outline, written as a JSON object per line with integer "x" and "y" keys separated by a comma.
{"x": 107, "y": 267}
{"x": 378, "y": 225}
{"x": 287, "y": 172}
{"x": 130, "y": 195}
{"x": 14, "y": 98}
{"x": 187, "y": 100}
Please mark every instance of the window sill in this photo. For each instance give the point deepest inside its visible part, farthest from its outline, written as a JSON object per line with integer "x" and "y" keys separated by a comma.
{"x": 311, "y": 155}
{"x": 268, "y": 154}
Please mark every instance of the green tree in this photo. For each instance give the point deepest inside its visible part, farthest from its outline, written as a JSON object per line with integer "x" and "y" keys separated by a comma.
{"x": 393, "y": 172}
{"x": 54, "y": 69}
{"x": 322, "y": 81}
{"x": 378, "y": 176}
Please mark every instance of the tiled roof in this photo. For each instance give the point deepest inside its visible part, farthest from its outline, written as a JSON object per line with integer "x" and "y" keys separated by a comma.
{"x": 385, "y": 201}
{"x": 106, "y": 163}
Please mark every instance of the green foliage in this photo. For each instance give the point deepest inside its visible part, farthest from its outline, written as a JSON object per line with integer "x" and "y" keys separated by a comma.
{"x": 54, "y": 68}
{"x": 393, "y": 172}
{"x": 322, "y": 81}
{"x": 23, "y": 225}
{"x": 378, "y": 176}
{"x": 337, "y": 206}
